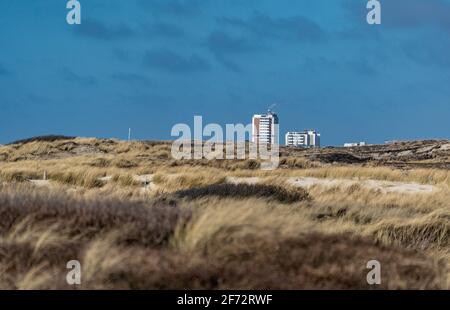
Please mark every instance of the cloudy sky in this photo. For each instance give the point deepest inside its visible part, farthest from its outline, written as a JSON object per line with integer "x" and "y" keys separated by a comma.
{"x": 149, "y": 64}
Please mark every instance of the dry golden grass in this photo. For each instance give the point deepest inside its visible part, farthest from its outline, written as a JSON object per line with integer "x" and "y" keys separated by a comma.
{"x": 207, "y": 243}
{"x": 174, "y": 182}
{"x": 131, "y": 235}
{"x": 69, "y": 160}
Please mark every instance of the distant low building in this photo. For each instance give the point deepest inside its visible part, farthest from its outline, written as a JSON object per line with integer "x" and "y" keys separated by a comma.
{"x": 306, "y": 138}
{"x": 392, "y": 142}
{"x": 355, "y": 144}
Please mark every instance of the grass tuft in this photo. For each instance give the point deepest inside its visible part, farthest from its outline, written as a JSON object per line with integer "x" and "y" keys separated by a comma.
{"x": 241, "y": 191}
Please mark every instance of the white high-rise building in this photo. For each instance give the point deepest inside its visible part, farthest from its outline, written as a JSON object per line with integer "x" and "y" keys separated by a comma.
{"x": 306, "y": 138}
{"x": 265, "y": 128}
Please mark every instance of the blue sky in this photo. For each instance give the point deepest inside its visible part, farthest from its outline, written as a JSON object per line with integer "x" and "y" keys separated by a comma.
{"x": 149, "y": 64}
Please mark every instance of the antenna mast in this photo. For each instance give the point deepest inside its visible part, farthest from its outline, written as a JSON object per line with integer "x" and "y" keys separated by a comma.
{"x": 270, "y": 108}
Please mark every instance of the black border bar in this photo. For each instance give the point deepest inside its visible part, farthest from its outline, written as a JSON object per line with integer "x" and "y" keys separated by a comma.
{"x": 144, "y": 299}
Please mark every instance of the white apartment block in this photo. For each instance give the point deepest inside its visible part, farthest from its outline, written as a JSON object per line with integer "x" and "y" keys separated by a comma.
{"x": 306, "y": 138}
{"x": 265, "y": 128}
{"x": 355, "y": 144}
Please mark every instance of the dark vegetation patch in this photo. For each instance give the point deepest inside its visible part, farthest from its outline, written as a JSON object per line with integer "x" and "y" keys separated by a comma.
{"x": 49, "y": 138}
{"x": 226, "y": 190}
{"x": 330, "y": 213}
{"x": 143, "y": 223}
{"x": 343, "y": 158}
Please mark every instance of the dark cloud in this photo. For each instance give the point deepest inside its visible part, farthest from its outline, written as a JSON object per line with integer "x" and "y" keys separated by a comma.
{"x": 223, "y": 43}
{"x": 254, "y": 33}
{"x": 34, "y": 98}
{"x": 173, "y": 7}
{"x": 424, "y": 27}
{"x": 169, "y": 61}
{"x": 84, "y": 80}
{"x": 132, "y": 78}
{"x": 97, "y": 30}
{"x": 231, "y": 65}
{"x": 140, "y": 98}
{"x": 124, "y": 55}
{"x": 296, "y": 28}
{"x": 163, "y": 29}
{"x": 360, "y": 33}
{"x": 361, "y": 67}
{"x": 417, "y": 13}
{"x": 318, "y": 63}
{"x": 224, "y": 47}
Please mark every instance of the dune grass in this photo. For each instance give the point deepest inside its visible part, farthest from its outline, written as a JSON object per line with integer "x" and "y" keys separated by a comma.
{"x": 208, "y": 243}
{"x": 242, "y": 191}
{"x": 190, "y": 228}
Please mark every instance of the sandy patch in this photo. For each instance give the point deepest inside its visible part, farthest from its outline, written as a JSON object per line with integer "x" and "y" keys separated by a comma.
{"x": 237, "y": 180}
{"x": 41, "y": 183}
{"x": 383, "y": 186}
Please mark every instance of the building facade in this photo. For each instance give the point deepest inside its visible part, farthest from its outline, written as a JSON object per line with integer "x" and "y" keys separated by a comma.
{"x": 265, "y": 128}
{"x": 306, "y": 138}
{"x": 355, "y": 144}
